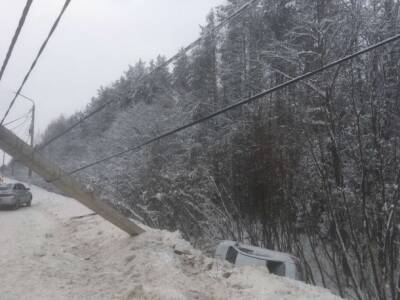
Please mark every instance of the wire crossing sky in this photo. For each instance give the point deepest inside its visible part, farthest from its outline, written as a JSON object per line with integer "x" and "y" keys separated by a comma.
{"x": 141, "y": 80}
{"x": 53, "y": 28}
{"x": 15, "y": 37}
{"x": 239, "y": 103}
{"x": 97, "y": 41}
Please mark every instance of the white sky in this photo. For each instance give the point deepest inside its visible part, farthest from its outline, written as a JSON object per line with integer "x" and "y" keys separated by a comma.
{"x": 94, "y": 43}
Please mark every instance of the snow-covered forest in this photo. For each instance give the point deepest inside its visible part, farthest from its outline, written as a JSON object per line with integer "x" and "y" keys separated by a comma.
{"x": 312, "y": 169}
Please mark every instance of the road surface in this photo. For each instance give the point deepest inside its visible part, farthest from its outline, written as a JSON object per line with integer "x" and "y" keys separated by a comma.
{"x": 42, "y": 256}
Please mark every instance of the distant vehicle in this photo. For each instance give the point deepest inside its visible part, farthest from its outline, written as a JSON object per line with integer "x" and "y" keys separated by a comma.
{"x": 15, "y": 195}
{"x": 278, "y": 263}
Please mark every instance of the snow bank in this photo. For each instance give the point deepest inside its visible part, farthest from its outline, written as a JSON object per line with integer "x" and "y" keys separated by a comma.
{"x": 169, "y": 268}
{"x": 87, "y": 258}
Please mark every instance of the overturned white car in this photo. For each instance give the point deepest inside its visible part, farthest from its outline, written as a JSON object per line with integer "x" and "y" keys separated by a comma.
{"x": 278, "y": 263}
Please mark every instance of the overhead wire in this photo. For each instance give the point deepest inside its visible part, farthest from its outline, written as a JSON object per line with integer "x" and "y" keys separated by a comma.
{"x": 17, "y": 119}
{"x": 53, "y": 28}
{"x": 15, "y": 37}
{"x": 238, "y": 104}
{"x": 20, "y": 125}
{"x": 141, "y": 79}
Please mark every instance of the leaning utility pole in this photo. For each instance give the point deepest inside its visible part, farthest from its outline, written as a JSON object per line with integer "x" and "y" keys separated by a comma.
{"x": 25, "y": 154}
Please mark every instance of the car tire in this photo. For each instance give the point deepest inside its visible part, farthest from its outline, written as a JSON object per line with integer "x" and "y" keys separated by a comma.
{"x": 29, "y": 203}
{"x": 17, "y": 205}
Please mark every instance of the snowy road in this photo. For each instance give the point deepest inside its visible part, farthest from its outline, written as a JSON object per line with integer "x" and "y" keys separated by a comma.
{"x": 46, "y": 253}
{"x": 21, "y": 240}
{"x": 38, "y": 259}
{"x": 43, "y": 256}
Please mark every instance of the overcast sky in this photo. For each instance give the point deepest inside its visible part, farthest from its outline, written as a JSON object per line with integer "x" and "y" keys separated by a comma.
{"x": 94, "y": 43}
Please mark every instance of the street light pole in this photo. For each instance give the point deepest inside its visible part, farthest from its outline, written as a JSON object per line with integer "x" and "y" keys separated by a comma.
{"x": 32, "y": 134}
{"x": 32, "y": 127}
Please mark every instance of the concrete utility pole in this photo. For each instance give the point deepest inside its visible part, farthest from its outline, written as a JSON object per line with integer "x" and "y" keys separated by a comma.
{"x": 25, "y": 154}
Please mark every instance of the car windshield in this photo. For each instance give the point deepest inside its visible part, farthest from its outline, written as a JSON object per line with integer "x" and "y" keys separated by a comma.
{"x": 5, "y": 187}
{"x": 231, "y": 255}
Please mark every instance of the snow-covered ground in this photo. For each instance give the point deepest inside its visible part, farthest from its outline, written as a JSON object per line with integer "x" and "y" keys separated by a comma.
{"x": 46, "y": 253}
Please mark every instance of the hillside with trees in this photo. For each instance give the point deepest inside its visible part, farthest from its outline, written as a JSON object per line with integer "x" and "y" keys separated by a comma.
{"x": 313, "y": 169}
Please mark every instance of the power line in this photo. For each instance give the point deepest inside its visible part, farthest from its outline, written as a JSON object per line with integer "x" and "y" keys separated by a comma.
{"x": 238, "y": 104}
{"x": 21, "y": 124}
{"x": 140, "y": 80}
{"x": 15, "y": 37}
{"x": 16, "y": 120}
{"x": 236, "y": 13}
{"x": 53, "y": 28}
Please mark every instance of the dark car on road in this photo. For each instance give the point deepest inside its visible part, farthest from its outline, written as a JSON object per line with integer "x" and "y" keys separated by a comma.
{"x": 15, "y": 195}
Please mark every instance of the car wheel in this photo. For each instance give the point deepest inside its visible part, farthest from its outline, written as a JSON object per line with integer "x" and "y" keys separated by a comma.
{"x": 17, "y": 205}
{"x": 29, "y": 203}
